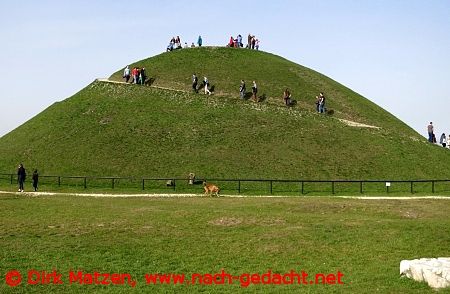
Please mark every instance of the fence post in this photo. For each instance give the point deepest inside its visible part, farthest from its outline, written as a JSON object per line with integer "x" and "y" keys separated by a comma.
{"x": 11, "y": 179}
{"x": 239, "y": 186}
{"x": 412, "y": 191}
{"x": 361, "y": 187}
{"x": 143, "y": 184}
{"x": 432, "y": 187}
{"x": 85, "y": 184}
{"x": 303, "y": 187}
{"x": 332, "y": 187}
{"x": 59, "y": 181}
{"x": 174, "y": 184}
{"x": 112, "y": 183}
{"x": 270, "y": 187}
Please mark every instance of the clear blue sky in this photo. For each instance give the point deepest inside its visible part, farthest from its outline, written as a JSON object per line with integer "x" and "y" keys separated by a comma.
{"x": 396, "y": 53}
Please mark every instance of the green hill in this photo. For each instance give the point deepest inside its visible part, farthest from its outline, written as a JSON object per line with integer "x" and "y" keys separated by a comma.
{"x": 111, "y": 129}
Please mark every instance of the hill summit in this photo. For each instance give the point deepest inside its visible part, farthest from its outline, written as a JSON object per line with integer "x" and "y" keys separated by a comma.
{"x": 167, "y": 130}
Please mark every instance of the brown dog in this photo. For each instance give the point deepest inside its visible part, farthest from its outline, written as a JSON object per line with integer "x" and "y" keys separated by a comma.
{"x": 211, "y": 189}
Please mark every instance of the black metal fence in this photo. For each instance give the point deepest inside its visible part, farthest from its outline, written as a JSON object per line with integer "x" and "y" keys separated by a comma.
{"x": 242, "y": 186}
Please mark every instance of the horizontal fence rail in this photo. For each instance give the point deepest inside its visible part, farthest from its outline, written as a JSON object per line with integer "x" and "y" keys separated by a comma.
{"x": 239, "y": 186}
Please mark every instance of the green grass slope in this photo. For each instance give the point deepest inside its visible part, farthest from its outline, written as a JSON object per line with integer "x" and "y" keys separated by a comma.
{"x": 130, "y": 130}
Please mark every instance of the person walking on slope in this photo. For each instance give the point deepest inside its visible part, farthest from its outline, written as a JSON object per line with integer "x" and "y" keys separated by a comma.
{"x": 142, "y": 76}
{"x": 242, "y": 89}
{"x": 206, "y": 83}
{"x": 35, "y": 180}
{"x": 199, "y": 41}
{"x": 443, "y": 140}
{"x": 254, "y": 91}
{"x": 194, "y": 83}
{"x": 126, "y": 74}
{"x": 430, "y": 132}
{"x": 21, "y": 175}
{"x": 321, "y": 103}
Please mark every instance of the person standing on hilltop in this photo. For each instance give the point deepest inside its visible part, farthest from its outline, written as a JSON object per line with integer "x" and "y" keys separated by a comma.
{"x": 126, "y": 74}
{"x": 199, "y": 41}
{"x": 443, "y": 140}
{"x": 239, "y": 41}
{"x": 21, "y": 175}
{"x": 249, "y": 41}
{"x": 253, "y": 42}
{"x": 430, "y": 132}
{"x": 35, "y": 180}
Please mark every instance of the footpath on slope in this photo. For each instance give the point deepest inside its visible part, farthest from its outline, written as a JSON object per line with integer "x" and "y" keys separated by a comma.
{"x": 347, "y": 122}
{"x": 183, "y": 195}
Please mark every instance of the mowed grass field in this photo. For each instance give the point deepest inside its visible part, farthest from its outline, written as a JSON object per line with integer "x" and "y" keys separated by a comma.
{"x": 363, "y": 240}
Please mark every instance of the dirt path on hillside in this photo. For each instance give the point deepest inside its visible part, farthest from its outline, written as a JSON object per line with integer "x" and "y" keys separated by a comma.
{"x": 161, "y": 195}
{"x": 357, "y": 124}
{"x": 124, "y": 83}
{"x": 347, "y": 122}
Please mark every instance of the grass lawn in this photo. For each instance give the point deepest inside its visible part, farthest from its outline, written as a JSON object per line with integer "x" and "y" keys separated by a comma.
{"x": 361, "y": 241}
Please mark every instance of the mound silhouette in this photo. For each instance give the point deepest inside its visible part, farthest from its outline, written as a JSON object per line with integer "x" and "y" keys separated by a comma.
{"x": 139, "y": 130}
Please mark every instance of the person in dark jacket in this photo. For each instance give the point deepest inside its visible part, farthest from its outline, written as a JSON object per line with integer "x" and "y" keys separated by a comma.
{"x": 194, "y": 83}
{"x": 21, "y": 175}
{"x": 35, "y": 180}
{"x": 242, "y": 89}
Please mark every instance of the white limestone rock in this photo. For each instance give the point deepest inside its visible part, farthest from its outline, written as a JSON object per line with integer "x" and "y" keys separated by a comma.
{"x": 434, "y": 271}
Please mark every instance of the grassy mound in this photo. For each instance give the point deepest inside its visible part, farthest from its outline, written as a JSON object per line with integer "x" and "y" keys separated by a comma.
{"x": 132, "y": 130}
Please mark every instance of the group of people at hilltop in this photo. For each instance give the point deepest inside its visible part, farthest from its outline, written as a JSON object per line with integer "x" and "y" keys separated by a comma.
{"x": 175, "y": 43}
{"x": 252, "y": 42}
{"x": 443, "y": 140}
{"x": 22, "y": 175}
{"x": 137, "y": 74}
